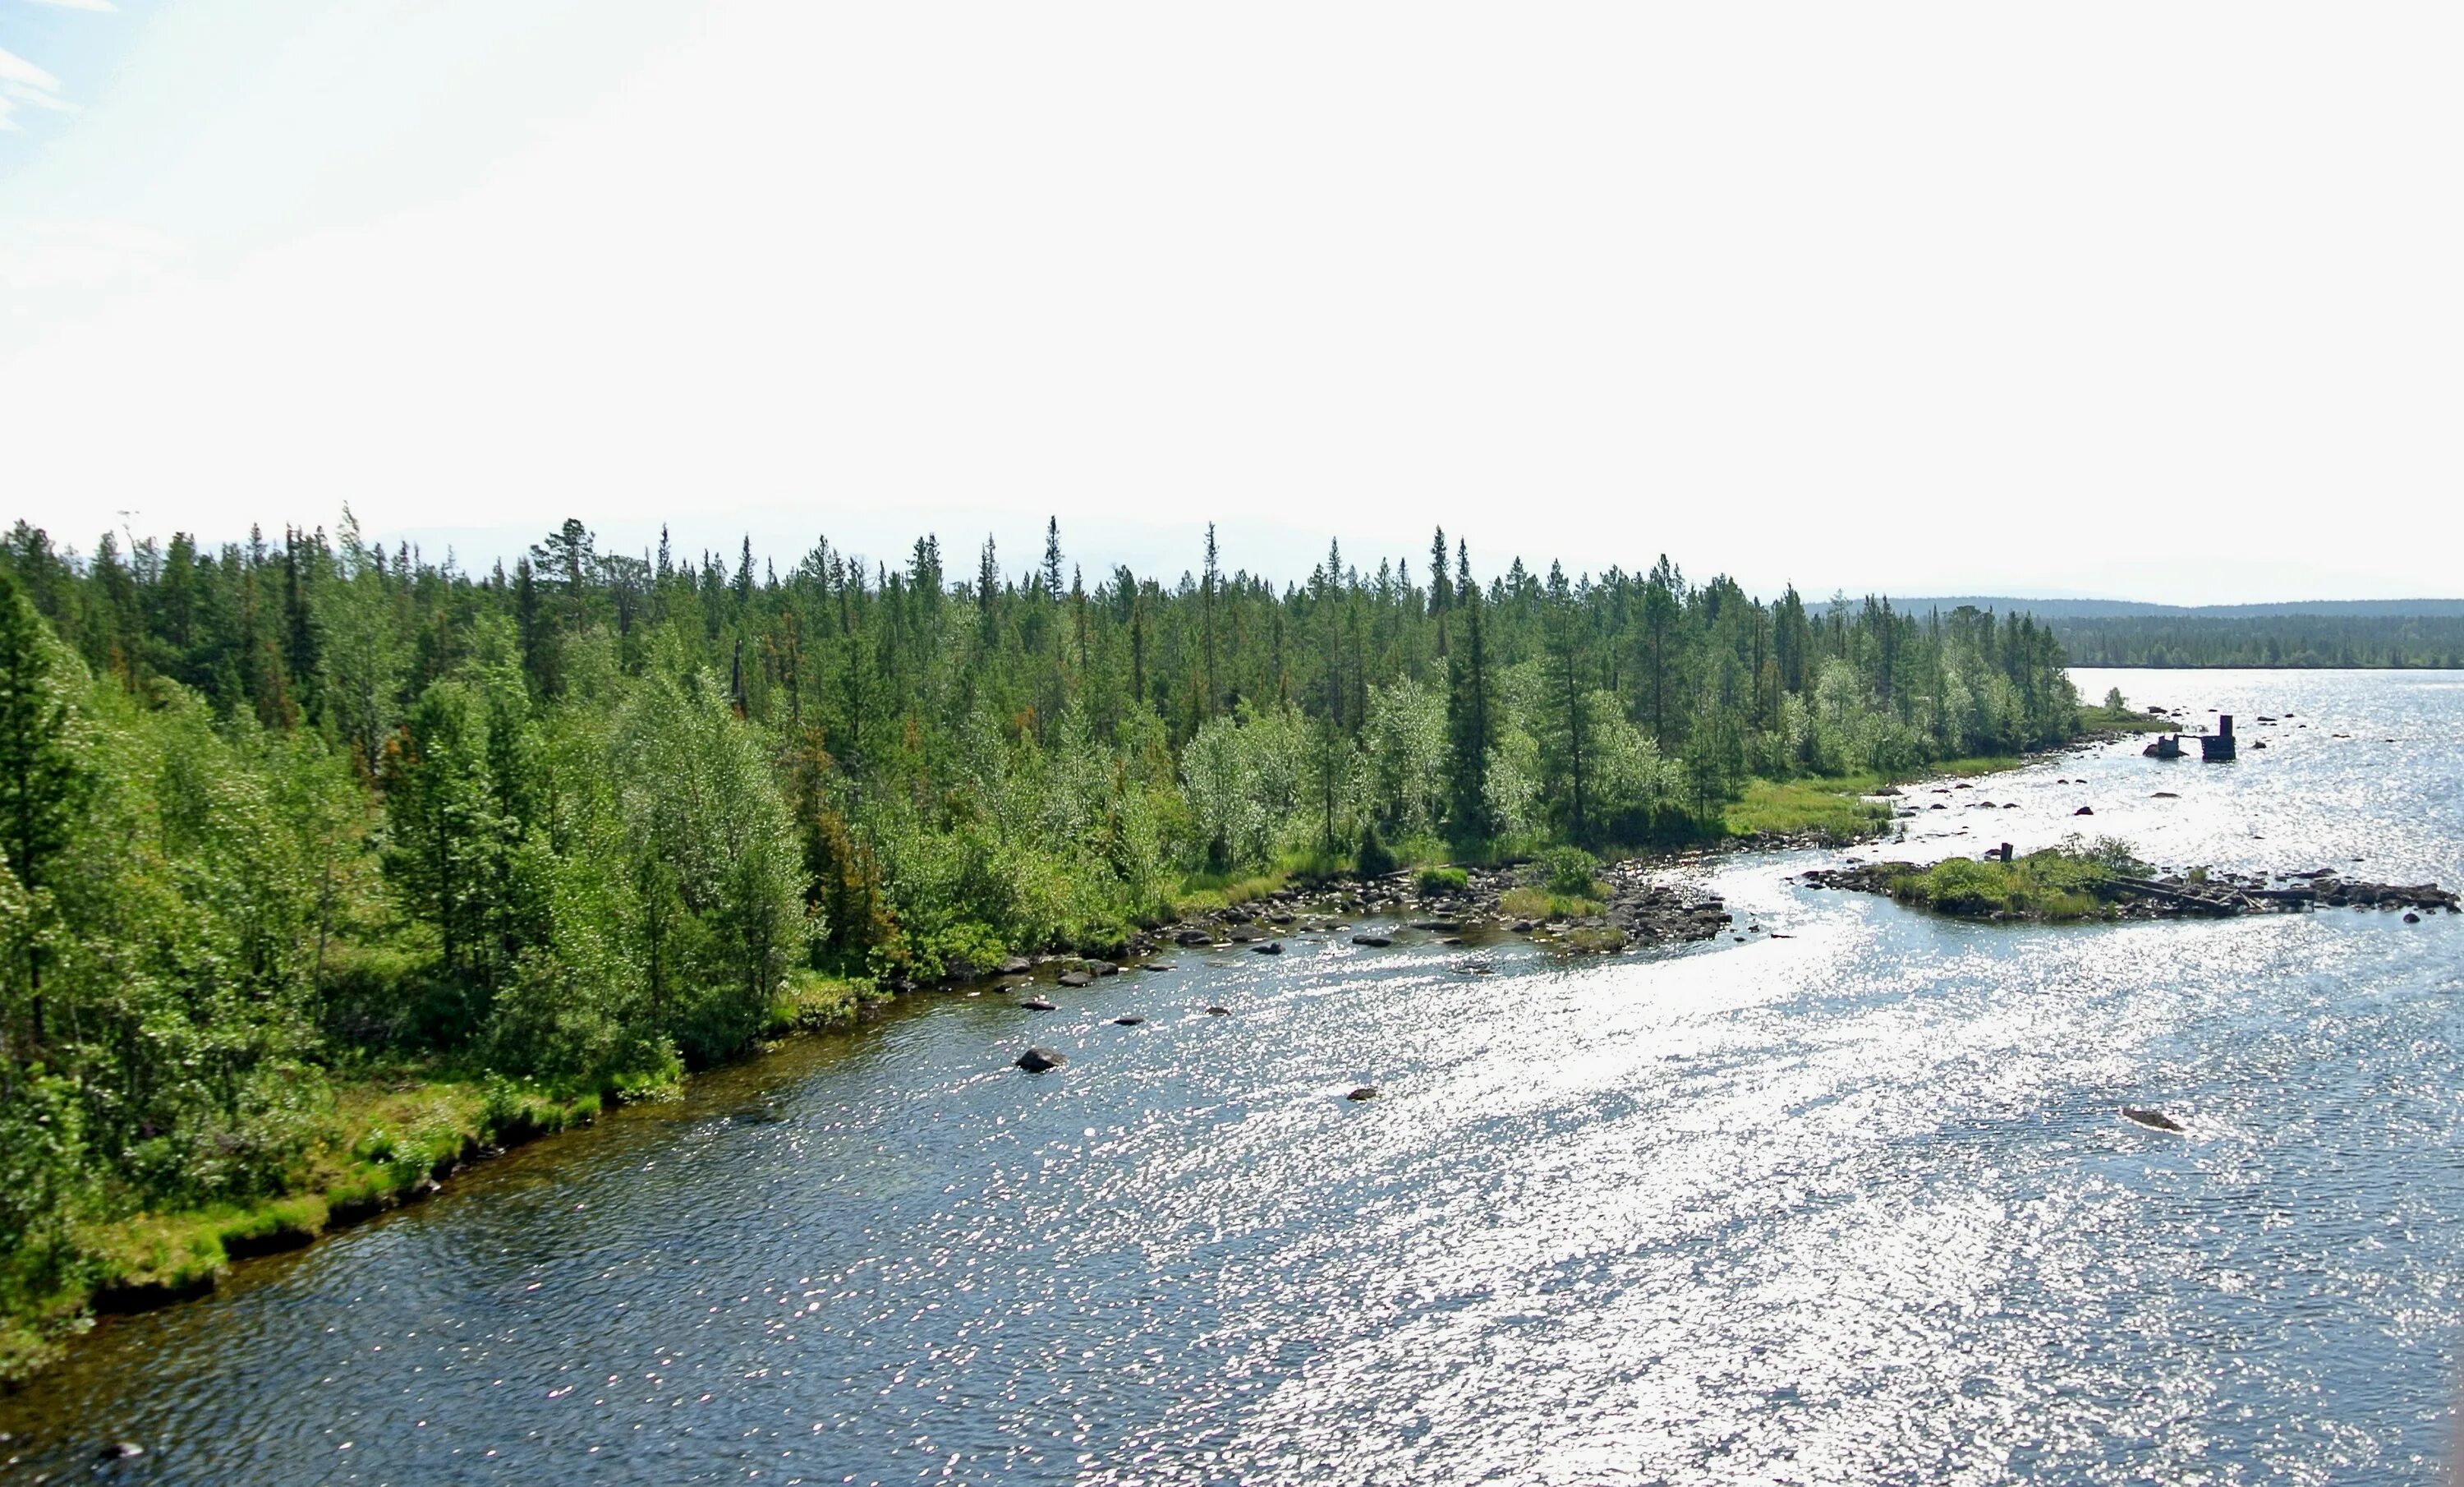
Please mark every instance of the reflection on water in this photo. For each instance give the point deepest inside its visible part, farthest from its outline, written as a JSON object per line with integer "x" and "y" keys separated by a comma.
{"x": 1848, "y": 1206}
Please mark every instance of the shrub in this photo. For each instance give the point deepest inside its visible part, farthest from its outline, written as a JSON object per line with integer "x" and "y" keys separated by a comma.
{"x": 1372, "y": 859}
{"x": 1443, "y": 880}
{"x": 1567, "y": 871}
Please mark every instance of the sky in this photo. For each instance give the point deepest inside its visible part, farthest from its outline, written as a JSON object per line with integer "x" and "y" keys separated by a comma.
{"x": 2113, "y": 301}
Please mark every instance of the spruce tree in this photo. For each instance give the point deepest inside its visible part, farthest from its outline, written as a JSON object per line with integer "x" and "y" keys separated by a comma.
{"x": 1471, "y": 722}
{"x": 43, "y": 778}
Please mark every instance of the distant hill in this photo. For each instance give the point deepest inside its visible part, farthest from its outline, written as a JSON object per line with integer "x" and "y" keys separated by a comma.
{"x": 2131, "y": 608}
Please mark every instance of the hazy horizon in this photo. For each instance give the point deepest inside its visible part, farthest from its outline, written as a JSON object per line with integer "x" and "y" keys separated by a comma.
{"x": 2106, "y": 302}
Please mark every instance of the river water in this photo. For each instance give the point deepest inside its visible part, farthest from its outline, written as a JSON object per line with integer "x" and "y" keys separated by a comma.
{"x": 1851, "y": 1205}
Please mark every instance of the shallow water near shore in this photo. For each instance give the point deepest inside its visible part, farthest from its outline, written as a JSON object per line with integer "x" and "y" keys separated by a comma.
{"x": 1855, "y": 1204}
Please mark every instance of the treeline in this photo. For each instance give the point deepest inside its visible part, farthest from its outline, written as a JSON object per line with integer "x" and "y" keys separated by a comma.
{"x": 278, "y": 810}
{"x": 2329, "y": 640}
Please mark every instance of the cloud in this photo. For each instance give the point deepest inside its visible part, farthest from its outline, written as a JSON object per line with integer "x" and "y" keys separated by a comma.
{"x": 21, "y": 81}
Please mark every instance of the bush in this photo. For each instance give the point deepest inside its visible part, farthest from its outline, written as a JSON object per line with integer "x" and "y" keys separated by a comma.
{"x": 1567, "y": 871}
{"x": 1443, "y": 880}
{"x": 1372, "y": 859}
{"x": 2058, "y": 883}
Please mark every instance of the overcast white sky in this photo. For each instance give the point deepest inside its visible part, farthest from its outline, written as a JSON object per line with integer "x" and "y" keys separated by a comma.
{"x": 2124, "y": 301}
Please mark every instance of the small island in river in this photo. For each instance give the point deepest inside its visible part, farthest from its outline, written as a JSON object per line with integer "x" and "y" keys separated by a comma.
{"x": 2101, "y": 881}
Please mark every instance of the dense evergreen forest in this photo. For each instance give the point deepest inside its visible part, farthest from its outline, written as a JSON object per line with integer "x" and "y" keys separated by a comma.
{"x": 2284, "y": 640}
{"x": 287, "y": 817}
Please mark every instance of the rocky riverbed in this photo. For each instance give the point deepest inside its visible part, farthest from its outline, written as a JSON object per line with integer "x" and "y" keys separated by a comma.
{"x": 1641, "y": 906}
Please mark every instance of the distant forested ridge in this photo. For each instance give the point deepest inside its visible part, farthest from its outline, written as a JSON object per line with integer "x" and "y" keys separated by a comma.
{"x": 283, "y": 813}
{"x": 2300, "y": 638}
{"x": 2347, "y": 632}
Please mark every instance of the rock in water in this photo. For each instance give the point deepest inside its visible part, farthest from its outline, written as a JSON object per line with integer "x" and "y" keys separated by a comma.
{"x": 1127, "y": 1022}
{"x": 1219, "y": 1011}
{"x": 1037, "y": 1003}
{"x": 1270, "y": 947}
{"x": 1373, "y": 942}
{"x": 1035, "y": 1060}
{"x": 120, "y": 1451}
{"x": 1364, "y": 1092}
{"x": 1074, "y": 979}
{"x": 2153, "y": 1119}
{"x": 2083, "y": 811}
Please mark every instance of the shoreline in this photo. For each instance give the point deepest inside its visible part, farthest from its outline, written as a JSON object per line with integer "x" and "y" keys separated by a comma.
{"x": 187, "y": 1254}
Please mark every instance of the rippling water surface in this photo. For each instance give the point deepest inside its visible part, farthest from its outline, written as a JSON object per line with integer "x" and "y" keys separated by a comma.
{"x": 1847, "y": 1206}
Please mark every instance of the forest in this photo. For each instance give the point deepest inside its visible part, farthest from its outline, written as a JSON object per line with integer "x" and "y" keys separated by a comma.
{"x": 2280, "y": 639}
{"x": 302, "y": 831}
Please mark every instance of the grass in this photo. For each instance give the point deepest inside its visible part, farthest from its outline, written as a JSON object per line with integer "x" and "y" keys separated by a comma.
{"x": 1835, "y": 805}
{"x": 1539, "y": 904}
{"x": 1202, "y": 892}
{"x": 2052, "y": 884}
{"x": 387, "y": 1135}
{"x": 2101, "y": 719}
{"x": 811, "y": 1000}
{"x": 1788, "y": 808}
{"x": 1442, "y": 879}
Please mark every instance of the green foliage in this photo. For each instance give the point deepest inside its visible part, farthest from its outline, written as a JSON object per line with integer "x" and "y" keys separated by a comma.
{"x": 1835, "y": 807}
{"x": 2058, "y": 883}
{"x": 1569, "y": 871}
{"x": 1373, "y": 858}
{"x": 1442, "y": 879}
{"x": 2313, "y": 637}
{"x": 280, "y": 814}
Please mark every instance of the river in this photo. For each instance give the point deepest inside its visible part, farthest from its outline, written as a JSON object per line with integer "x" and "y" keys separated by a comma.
{"x": 1847, "y": 1206}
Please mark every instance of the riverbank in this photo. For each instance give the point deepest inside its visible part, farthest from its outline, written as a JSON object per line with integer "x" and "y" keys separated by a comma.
{"x": 391, "y": 1136}
{"x": 394, "y": 1135}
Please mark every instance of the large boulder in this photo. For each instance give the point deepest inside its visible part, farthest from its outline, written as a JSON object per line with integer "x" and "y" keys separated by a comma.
{"x": 1036, "y": 1061}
